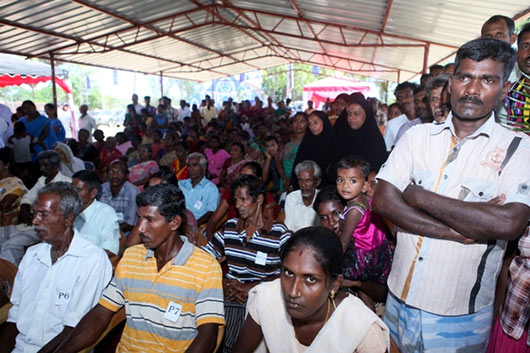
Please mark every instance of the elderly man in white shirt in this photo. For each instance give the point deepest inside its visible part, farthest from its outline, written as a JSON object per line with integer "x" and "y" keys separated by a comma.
{"x": 15, "y": 238}
{"x": 58, "y": 280}
{"x": 98, "y": 221}
{"x": 299, "y": 212}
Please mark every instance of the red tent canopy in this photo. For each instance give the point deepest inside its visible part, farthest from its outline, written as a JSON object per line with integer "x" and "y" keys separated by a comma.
{"x": 15, "y": 71}
{"x": 331, "y": 87}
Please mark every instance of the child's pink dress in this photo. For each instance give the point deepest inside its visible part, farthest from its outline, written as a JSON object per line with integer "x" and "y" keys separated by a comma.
{"x": 369, "y": 255}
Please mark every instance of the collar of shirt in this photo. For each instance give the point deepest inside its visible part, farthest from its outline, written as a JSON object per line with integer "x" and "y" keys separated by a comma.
{"x": 89, "y": 210}
{"x": 187, "y": 183}
{"x": 75, "y": 249}
{"x": 124, "y": 189}
{"x": 485, "y": 129}
{"x": 183, "y": 255}
{"x": 300, "y": 200}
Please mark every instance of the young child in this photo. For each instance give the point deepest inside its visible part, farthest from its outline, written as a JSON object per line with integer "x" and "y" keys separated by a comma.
{"x": 21, "y": 143}
{"x": 367, "y": 252}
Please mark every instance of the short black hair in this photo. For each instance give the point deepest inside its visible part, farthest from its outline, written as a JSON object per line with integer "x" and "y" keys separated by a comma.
{"x": 435, "y": 67}
{"x": 328, "y": 193}
{"x": 487, "y": 48}
{"x": 19, "y": 126}
{"x": 354, "y": 162}
{"x": 394, "y": 105}
{"x": 419, "y": 88}
{"x": 90, "y": 178}
{"x": 166, "y": 175}
{"x": 271, "y": 138}
{"x": 405, "y": 85}
{"x": 255, "y": 166}
{"x": 51, "y": 156}
{"x": 254, "y": 184}
{"x": 524, "y": 30}
{"x": 496, "y": 18}
{"x": 325, "y": 244}
{"x": 424, "y": 76}
{"x": 167, "y": 198}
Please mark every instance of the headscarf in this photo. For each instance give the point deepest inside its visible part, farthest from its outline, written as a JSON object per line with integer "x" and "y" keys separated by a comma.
{"x": 320, "y": 148}
{"x": 366, "y": 142}
{"x": 72, "y": 164}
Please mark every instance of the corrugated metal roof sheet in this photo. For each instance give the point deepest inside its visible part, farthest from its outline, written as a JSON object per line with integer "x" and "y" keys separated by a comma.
{"x": 207, "y": 39}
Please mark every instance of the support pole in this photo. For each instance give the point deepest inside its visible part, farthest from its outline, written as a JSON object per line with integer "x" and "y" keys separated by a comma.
{"x": 426, "y": 58}
{"x": 54, "y": 86}
{"x": 398, "y": 76}
{"x": 161, "y": 84}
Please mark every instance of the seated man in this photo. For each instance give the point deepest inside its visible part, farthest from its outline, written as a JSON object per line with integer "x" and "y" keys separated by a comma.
{"x": 227, "y": 206}
{"x": 202, "y": 196}
{"x": 299, "y": 212}
{"x": 119, "y": 194}
{"x": 13, "y": 239}
{"x": 98, "y": 221}
{"x": 171, "y": 290}
{"x": 252, "y": 251}
{"x": 58, "y": 280}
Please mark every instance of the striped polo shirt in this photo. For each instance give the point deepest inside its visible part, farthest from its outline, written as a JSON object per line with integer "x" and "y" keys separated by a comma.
{"x": 251, "y": 260}
{"x": 191, "y": 282}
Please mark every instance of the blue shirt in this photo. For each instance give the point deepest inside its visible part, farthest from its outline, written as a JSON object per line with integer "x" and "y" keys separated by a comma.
{"x": 202, "y": 198}
{"x": 99, "y": 224}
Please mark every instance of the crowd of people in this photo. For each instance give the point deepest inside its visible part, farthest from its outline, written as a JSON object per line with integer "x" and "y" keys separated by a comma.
{"x": 354, "y": 228}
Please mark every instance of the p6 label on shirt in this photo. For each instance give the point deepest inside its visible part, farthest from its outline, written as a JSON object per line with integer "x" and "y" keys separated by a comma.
{"x": 173, "y": 311}
{"x": 120, "y": 216}
{"x": 62, "y": 298}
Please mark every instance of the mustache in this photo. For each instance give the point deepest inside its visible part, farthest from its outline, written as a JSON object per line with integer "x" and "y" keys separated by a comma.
{"x": 470, "y": 99}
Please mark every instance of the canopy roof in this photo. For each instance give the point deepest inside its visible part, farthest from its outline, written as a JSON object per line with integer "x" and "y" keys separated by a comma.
{"x": 206, "y": 39}
{"x": 15, "y": 71}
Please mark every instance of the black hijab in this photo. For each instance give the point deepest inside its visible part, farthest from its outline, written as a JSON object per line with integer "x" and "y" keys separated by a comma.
{"x": 320, "y": 148}
{"x": 366, "y": 142}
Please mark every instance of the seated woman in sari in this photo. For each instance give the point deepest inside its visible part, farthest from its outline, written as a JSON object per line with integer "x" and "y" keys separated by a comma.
{"x": 11, "y": 191}
{"x": 140, "y": 173}
{"x": 232, "y": 165}
{"x": 304, "y": 311}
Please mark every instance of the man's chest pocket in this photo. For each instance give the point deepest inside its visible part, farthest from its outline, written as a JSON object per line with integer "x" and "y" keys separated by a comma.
{"x": 423, "y": 178}
{"x": 62, "y": 296}
{"x": 477, "y": 190}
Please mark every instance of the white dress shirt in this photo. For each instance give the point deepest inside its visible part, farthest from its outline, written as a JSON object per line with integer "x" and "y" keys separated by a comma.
{"x": 47, "y": 297}
{"x": 297, "y": 214}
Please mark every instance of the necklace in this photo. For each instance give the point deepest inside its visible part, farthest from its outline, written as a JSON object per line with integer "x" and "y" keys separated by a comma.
{"x": 325, "y": 319}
